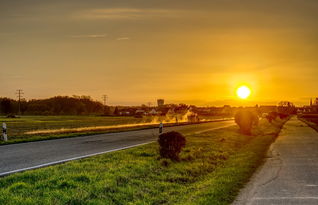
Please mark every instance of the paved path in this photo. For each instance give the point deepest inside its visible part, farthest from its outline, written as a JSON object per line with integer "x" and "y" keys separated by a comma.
{"x": 31, "y": 155}
{"x": 290, "y": 174}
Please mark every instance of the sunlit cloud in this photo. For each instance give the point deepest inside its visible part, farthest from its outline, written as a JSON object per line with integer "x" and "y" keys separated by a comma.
{"x": 90, "y": 36}
{"x": 123, "y": 39}
{"x": 123, "y": 13}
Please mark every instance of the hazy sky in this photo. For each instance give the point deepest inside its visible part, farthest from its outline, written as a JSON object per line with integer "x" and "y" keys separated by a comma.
{"x": 136, "y": 51}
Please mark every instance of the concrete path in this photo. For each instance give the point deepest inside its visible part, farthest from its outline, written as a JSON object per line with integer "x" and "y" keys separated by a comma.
{"x": 290, "y": 174}
{"x": 20, "y": 157}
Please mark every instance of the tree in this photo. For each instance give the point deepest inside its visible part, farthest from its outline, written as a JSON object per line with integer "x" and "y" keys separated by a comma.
{"x": 6, "y": 106}
{"x": 116, "y": 111}
{"x": 286, "y": 107}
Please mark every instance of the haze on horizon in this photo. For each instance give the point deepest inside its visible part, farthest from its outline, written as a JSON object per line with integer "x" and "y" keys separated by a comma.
{"x": 136, "y": 51}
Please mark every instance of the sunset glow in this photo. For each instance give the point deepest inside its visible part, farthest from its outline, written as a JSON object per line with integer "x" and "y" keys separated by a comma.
{"x": 135, "y": 51}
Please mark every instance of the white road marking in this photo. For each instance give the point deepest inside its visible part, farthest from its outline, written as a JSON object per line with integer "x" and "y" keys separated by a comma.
{"x": 280, "y": 198}
{"x": 70, "y": 159}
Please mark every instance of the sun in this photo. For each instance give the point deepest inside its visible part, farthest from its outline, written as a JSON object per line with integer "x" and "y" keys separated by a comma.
{"x": 243, "y": 92}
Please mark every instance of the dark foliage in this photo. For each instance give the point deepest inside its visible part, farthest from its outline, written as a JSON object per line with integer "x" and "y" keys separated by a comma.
{"x": 283, "y": 115}
{"x": 60, "y": 105}
{"x": 286, "y": 108}
{"x": 245, "y": 119}
{"x": 271, "y": 116}
{"x": 116, "y": 111}
{"x": 6, "y": 106}
{"x": 11, "y": 116}
{"x": 171, "y": 144}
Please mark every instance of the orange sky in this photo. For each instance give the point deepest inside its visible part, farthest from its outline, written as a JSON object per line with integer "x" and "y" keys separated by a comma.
{"x": 183, "y": 51}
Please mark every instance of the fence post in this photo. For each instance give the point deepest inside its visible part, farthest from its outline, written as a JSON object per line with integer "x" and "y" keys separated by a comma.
{"x": 4, "y": 132}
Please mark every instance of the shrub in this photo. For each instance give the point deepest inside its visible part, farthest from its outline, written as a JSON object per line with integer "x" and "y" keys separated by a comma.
{"x": 171, "y": 144}
{"x": 271, "y": 116}
{"x": 245, "y": 119}
{"x": 283, "y": 116}
{"x": 11, "y": 116}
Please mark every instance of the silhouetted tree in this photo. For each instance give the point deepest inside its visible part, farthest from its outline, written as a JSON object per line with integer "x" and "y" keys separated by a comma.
{"x": 59, "y": 105}
{"x": 116, "y": 111}
{"x": 286, "y": 107}
{"x": 6, "y": 106}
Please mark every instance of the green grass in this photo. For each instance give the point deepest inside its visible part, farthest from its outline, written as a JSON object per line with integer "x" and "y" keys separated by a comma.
{"x": 213, "y": 167}
{"x": 18, "y": 127}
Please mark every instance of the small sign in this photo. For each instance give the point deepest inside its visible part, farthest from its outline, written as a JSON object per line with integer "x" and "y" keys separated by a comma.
{"x": 4, "y": 132}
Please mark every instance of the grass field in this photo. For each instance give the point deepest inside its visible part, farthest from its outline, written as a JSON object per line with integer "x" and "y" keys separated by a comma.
{"x": 213, "y": 167}
{"x": 32, "y": 128}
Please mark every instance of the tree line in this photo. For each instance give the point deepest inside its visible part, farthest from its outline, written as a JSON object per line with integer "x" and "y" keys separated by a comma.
{"x": 59, "y": 105}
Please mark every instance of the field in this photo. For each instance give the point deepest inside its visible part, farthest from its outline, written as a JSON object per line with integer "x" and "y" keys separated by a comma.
{"x": 32, "y": 128}
{"x": 212, "y": 169}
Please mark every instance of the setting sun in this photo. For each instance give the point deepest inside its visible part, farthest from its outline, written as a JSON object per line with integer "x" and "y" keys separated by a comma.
{"x": 243, "y": 92}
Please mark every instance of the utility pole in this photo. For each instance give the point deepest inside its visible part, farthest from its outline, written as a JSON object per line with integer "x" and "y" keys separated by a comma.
{"x": 105, "y": 97}
{"x": 19, "y": 95}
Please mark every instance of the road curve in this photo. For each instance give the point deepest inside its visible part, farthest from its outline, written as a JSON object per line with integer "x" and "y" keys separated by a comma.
{"x": 290, "y": 173}
{"x": 24, "y": 156}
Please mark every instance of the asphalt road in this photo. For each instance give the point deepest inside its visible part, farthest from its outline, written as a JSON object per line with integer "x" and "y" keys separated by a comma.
{"x": 20, "y": 157}
{"x": 290, "y": 173}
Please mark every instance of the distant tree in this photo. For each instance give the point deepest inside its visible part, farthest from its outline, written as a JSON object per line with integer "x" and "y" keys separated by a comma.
{"x": 116, "y": 111}
{"x": 24, "y": 106}
{"x": 6, "y": 106}
{"x": 107, "y": 110}
{"x": 62, "y": 105}
{"x": 286, "y": 107}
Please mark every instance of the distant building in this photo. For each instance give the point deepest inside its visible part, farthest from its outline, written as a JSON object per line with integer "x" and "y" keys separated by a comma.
{"x": 314, "y": 106}
{"x": 311, "y": 108}
{"x": 160, "y": 102}
{"x": 153, "y": 112}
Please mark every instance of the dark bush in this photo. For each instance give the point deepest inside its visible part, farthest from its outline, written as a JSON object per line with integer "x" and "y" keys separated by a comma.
{"x": 245, "y": 119}
{"x": 11, "y": 116}
{"x": 271, "y": 116}
{"x": 171, "y": 144}
{"x": 283, "y": 115}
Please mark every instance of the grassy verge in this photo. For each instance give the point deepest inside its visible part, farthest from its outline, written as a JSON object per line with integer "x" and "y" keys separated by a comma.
{"x": 311, "y": 121}
{"x": 213, "y": 167}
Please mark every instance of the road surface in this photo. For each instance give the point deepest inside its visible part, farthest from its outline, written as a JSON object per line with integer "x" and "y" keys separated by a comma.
{"x": 20, "y": 157}
{"x": 290, "y": 173}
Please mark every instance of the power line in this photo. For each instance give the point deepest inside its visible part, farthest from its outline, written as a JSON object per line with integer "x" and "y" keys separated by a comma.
{"x": 19, "y": 95}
